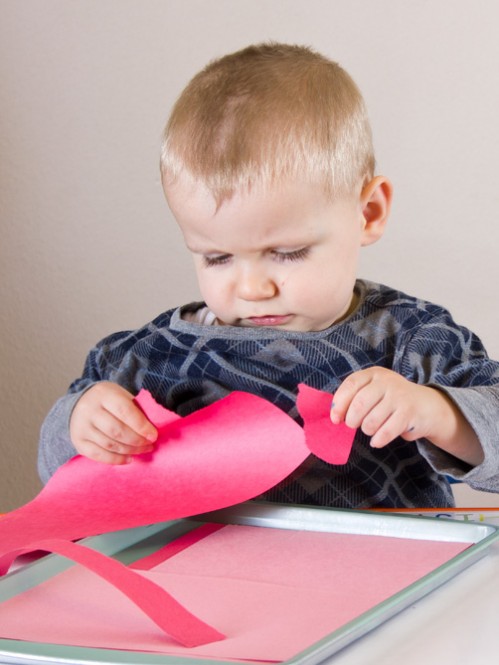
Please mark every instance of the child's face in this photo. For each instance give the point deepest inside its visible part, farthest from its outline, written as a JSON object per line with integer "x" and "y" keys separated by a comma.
{"x": 285, "y": 258}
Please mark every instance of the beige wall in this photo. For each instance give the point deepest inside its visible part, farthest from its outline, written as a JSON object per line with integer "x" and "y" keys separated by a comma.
{"x": 87, "y": 243}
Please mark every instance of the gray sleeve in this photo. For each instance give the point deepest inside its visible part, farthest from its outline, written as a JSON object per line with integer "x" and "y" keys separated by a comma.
{"x": 55, "y": 446}
{"x": 480, "y": 406}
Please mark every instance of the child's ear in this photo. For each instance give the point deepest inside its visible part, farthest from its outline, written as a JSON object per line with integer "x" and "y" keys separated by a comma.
{"x": 376, "y": 200}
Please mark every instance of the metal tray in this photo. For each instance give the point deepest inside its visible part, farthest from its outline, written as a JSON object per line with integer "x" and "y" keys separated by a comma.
{"x": 132, "y": 544}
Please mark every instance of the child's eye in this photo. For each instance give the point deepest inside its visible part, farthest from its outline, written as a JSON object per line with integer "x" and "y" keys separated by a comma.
{"x": 295, "y": 255}
{"x": 216, "y": 260}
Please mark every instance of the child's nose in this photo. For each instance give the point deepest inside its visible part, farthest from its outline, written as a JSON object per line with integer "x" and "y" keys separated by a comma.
{"x": 255, "y": 284}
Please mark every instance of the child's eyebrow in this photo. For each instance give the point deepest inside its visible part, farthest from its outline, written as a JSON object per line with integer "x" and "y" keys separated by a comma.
{"x": 285, "y": 246}
{"x": 205, "y": 250}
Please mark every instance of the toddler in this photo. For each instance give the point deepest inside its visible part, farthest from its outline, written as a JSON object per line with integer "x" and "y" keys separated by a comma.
{"x": 268, "y": 167}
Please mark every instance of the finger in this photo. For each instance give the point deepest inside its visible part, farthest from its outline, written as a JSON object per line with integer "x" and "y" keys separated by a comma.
{"x": 345, "y": 394}
{"x": 365, "y": 395}
{"x": 113, "y": 434}
{"x": 103, "y": 447}
{"x": 410, "y": 434}
{"x": 394, "y": 426}
{"x": 136, "y": 427}
{"x": 376, "y": 417}
{"x": 95, "y": 452}
{"x": 367, "y": 408}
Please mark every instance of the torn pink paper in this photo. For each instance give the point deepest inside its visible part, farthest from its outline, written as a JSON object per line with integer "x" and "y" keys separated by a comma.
{"x": 222, "y": 455}
{"x": 330, "y": 442}
{"x": 219, "y": 456}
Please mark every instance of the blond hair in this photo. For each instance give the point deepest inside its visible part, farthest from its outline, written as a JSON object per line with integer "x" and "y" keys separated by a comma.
{"x": 267, "y": 113}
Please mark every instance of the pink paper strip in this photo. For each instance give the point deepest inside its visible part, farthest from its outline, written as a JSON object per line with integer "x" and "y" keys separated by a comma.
{"x": 175, "y": 547}
{"x": 154, "y": 601}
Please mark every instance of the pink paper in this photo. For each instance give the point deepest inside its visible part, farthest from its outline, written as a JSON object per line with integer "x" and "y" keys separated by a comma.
{"x": 224, "y": 454}
{"x": 154, "y": 601}
{"x": 175, "y": 546}
{"x": 270, "y": 606}
{"x": 219, "y": 456}
{"x": 330, "y": 442}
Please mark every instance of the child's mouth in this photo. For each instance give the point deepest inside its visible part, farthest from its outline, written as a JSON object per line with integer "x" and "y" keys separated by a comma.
{"x": 270, "y": 319}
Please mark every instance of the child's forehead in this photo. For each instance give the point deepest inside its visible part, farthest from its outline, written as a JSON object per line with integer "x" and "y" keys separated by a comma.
{"x": 290, "y": 215}
{"x": 187, "y": 196}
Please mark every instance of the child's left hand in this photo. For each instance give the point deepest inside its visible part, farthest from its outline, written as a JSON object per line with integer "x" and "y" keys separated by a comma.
{"x": 385, "y": 405}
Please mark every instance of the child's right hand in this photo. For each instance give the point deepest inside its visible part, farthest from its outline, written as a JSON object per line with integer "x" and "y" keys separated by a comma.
{"x": 107, "y": 426}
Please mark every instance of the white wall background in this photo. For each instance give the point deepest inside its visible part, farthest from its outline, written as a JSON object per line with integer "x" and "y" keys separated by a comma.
{"x": 87, "y": 244}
